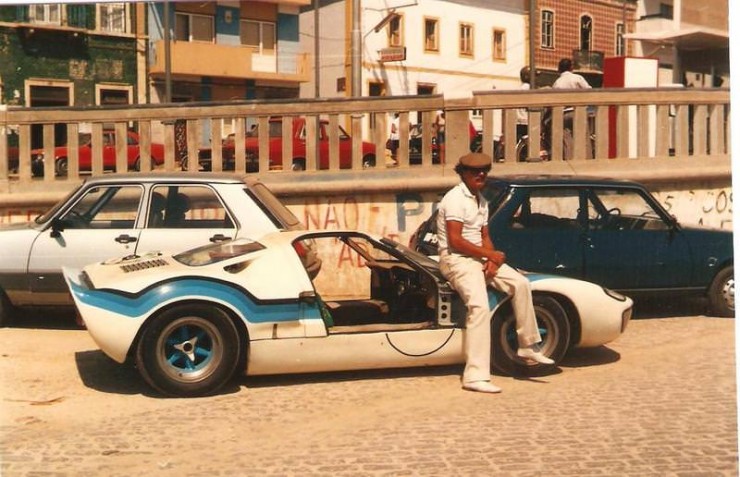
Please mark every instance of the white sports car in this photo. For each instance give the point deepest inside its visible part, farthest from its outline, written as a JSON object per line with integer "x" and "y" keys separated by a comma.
{"x": 190, "y": 321}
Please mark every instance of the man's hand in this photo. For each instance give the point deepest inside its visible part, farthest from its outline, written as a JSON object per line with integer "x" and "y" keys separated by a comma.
{"x": 497, "y": 257}
{"x": 490, "y": 269}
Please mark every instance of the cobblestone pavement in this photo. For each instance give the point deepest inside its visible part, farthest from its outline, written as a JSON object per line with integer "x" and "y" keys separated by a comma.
{"x": 661, "y": 400}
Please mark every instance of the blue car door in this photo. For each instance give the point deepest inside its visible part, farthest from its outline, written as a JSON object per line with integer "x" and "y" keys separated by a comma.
{"x": 632, "y": 244}
{"x": 541, "y": 230}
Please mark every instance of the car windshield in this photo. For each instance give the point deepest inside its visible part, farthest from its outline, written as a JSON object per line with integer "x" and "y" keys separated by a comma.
{"x": 413, "y": 255}
{"x": 46, "y": 216}
{"x": 213, "y": 253}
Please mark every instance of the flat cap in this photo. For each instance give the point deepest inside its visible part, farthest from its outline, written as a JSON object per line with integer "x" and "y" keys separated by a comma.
{"x": 475, "y": 159}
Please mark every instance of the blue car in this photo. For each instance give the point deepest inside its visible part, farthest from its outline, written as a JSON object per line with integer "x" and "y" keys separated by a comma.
{"x": 610, "y": 232}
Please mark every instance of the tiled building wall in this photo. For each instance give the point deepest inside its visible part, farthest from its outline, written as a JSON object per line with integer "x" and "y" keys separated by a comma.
{"x": 605, "y": 15}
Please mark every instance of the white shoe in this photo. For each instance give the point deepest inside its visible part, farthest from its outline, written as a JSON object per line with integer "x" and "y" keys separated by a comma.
{"x": 530, "y": 352}
{"x": 482, "y": 387}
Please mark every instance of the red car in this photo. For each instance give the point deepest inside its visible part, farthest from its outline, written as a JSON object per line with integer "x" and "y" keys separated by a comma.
{"x": 251, "y": 146}
{"x": 61, "y": 157}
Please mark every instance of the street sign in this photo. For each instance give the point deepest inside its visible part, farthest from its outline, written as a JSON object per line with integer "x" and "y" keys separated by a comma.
{"x": 397, "y": 53}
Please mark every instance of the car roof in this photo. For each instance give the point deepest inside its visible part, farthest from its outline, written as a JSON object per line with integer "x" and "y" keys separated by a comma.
{"x": 184, "y": 177}
{"x": 538, "y": 180}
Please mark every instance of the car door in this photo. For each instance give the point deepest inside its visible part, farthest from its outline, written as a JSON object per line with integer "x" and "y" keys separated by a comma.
{"x": 180, "y": 217}
{"x": 101, "y": 224}
{"x": 632, "y": 244}
{"x": 540, "y": 230}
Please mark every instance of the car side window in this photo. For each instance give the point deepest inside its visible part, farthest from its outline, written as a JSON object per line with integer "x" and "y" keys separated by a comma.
{"x": 192, "y": 207}
{"x": 548, "y": 208}
{"x": 110, "y": 207}
{"x": 623, "y": 209}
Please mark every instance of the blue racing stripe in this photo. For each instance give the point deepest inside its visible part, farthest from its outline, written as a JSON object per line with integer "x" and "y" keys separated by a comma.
{"x": 141, "y": 304}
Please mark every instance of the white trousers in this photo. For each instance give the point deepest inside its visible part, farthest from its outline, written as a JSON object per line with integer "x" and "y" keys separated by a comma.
{"x": 466, "y": 276}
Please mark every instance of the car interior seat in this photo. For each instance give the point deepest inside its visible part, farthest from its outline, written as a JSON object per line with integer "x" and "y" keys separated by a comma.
{"x": 156, "y": 210}
{"x": 177, "y": 207}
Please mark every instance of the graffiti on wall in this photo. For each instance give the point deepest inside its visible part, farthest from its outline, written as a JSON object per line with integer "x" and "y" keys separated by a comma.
{"x": 704, "y": 207}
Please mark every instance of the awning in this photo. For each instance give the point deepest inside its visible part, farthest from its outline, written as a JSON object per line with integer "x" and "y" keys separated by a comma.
{"x": 686, "y": 39}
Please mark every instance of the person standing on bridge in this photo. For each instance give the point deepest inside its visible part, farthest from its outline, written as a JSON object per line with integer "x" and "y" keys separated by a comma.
{"x": 470, "y": 262}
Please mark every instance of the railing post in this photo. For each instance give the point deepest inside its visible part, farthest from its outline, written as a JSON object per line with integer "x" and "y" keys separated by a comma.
{"x": 4, "y": 159}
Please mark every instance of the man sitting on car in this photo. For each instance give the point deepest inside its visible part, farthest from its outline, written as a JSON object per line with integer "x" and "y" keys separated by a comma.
{"x": 469, "y": 261}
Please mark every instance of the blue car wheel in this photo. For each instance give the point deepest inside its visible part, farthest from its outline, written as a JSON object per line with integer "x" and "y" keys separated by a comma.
{"x": 554, "y": 330}
{"x": 189, "y": 350}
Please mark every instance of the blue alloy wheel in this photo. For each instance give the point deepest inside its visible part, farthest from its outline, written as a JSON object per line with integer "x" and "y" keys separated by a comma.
{"x": 554, "y": 327}
{"x": 188, "y": 350}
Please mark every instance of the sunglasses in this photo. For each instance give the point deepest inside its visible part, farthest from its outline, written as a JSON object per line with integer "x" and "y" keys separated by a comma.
{"x": 478, "y": 170}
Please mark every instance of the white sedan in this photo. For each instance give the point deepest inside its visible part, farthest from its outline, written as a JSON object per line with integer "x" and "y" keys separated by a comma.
{"x": 190, "y": 321}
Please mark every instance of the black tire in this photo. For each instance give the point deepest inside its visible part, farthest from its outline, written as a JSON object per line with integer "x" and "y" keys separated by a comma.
{"x": 6, "y": 310}
{"x": 554, "y": 329}
{"x": 137, "y": 165}
{"x": 189, "y": 350}
{"x": 722, "y": 293}
{"x": 368, "y": 161}
{"x": 61, "y": 166}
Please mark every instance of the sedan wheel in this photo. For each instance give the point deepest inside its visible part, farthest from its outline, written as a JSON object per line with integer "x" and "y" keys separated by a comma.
{"x": 554, "y": 327}
{"x": 61, "y": 166}
{"x": 722, "y": 293}
{"x": 189, "y": 350}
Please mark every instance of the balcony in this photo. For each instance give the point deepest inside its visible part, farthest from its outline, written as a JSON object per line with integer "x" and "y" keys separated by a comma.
{"x": 223, "y": 61}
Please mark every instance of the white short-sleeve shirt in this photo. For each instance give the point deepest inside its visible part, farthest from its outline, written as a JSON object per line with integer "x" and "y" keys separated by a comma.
{"x": 460, "y": 205}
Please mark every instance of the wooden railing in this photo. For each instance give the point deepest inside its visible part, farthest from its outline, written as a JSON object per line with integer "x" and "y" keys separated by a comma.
{"x": 640, "y": 124}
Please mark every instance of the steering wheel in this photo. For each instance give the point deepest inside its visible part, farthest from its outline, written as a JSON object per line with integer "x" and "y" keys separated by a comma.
{"x": 614, "y": 211}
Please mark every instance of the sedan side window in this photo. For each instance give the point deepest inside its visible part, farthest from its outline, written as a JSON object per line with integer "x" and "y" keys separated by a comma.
{"x": 193, "y": 207}
{"x": 114, "y": 207}
{"x": 548, "y": 208}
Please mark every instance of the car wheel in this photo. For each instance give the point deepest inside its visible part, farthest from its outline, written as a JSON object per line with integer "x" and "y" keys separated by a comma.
{"x": 554, "y": 330}
{"x": 298, "y": 165}
{"x": 722, "y": 293}
{"x": 189, "y": 350}
{"x": 6, "y": 310}
{"x": 368, "y": 161}
{"x": 137, "y": 165}
{"x": 61, "y": 166}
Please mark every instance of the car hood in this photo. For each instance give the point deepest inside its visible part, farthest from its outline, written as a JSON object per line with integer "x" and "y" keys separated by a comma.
{"x": 709, "y": 241}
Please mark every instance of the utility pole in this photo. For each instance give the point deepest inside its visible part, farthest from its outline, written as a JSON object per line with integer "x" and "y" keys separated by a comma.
{"x": 317, "y": 56}
{"x": 532, "y": 40}
{"x": 356, "y": 48}
{"x": 167, "y": 55}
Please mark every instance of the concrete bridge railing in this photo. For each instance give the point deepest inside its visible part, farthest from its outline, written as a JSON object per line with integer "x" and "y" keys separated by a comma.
{"x": 644, "y": 134}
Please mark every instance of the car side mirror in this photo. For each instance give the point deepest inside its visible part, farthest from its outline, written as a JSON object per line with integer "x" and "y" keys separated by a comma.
{"x": 57, "y": 226}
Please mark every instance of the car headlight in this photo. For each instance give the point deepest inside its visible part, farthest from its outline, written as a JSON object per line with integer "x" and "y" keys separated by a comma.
{"x": 615, "y": 295}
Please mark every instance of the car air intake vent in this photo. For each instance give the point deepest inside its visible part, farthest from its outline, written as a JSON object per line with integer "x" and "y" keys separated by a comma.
{"x": 133, "y": 267}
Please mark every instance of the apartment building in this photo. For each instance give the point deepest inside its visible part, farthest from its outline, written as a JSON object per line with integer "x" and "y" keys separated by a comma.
{"x": 689, "y": 38}
{"x": 70, "y": 54}
{"x": 224, "y": 50}
{"x": 414, "y": 47}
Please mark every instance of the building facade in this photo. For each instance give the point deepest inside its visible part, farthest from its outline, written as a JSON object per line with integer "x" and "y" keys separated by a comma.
{"x": 448, "y": 47}
{"x": 586, "y": 31}
{"x": 223, "y": 50}
{"x": 690, "y": 39}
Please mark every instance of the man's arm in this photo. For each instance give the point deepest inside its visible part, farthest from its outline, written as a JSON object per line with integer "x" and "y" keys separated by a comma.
{"x": 457, "y": 243}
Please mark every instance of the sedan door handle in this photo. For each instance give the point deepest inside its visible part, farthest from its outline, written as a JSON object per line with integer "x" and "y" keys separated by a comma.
{"x": 125, "y": 238}
{"x": 219, "y": 238}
